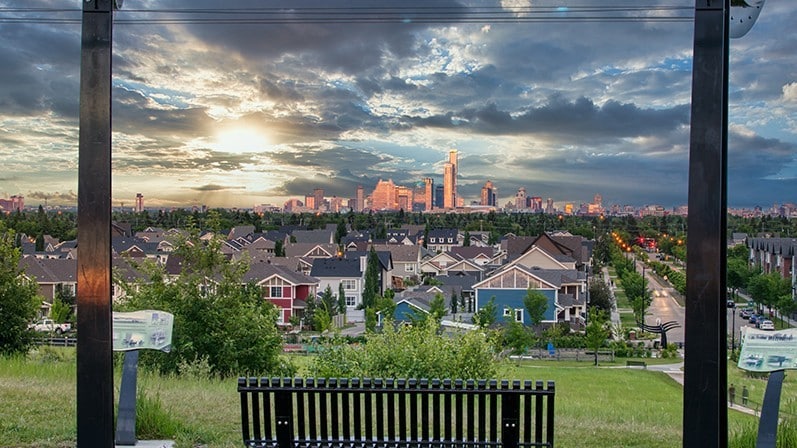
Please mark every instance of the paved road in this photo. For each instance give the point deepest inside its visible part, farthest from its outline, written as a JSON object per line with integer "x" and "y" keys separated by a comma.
{"x": 664, "y": 307}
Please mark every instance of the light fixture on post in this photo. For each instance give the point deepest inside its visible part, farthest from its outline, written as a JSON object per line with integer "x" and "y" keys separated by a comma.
{"x": 744, "y": 14}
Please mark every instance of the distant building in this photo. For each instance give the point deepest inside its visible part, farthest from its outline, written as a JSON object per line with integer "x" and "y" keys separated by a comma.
{"x": 384, "y": 196}
{"x": 292, "y": 205}
{"x": 359, "y": 203}
{"x": 428, "y": 196}
{"x": 14, "y": 203}
{"x": 549, "y": 208}
{"x": 450, "y": 180}
{"x": 309, "y": 202}
{"x": 520, "y": 198}
{"x": 318, "y": 196}
{"x": 439, "y": 193}
{"x": 139, "y": 202}
{"x": 488, "y": 194}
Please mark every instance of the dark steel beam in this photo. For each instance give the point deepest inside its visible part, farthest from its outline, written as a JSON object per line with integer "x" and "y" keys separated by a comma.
{"x": 94, "y": 347}
{"x": 705, "y": 417}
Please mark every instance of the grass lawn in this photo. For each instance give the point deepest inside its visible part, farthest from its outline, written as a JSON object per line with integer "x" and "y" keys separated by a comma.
{"x": 604, "y": 406}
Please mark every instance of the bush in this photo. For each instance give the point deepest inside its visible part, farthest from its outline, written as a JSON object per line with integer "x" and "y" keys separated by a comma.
{"x": 409, "y": 352}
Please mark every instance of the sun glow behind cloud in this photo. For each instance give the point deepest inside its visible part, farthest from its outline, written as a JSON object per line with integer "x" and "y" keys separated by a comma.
{"x": 240, "y": 140}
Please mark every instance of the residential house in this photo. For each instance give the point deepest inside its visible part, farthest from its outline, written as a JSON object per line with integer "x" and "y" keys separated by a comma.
{"x": 333, "y": 272}
{"x": 442, "y": 240}
{"x": 406, "y": 262}
{"x": 287, "y": 289}
{"x": 385, "y": 266}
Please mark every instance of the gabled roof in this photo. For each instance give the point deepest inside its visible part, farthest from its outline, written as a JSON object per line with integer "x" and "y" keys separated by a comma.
{"x": 336, "y": 268}
{"x": 323, "y": 236}
{"x": 385, "y": 258}
{"x": 240, "y": 231}
{"x": 444, "y": 233}
{"x": 401, "y": 253}
{"x": 472, "y": 252}
{"x": 308, "y": 249}
{"x": 50, "y": 270}
{"x": 259, "y": 272}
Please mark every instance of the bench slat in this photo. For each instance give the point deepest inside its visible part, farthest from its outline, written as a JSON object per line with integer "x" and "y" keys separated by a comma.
{"x": 294, "y": 413}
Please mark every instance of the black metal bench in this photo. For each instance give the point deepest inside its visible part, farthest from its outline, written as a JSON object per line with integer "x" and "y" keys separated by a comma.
{"x": 288, "y": 413}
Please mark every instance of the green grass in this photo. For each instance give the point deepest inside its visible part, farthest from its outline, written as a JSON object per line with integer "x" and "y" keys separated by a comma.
{"x": 602, "y": 406}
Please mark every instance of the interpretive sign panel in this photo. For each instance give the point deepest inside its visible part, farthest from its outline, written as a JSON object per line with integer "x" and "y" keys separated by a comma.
{"x": 767, "y": 351}
{"x": 142, "y": 329}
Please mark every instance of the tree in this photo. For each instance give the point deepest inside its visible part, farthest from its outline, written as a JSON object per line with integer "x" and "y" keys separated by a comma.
{"x": 341, "y": 300}
{"x": 517, "y": 337}
{"x": 454, "y": 303}
{"x": 371, "y": 287}
{"x": 597, "y": 331}
{"x": 18, "y": 298}
{"x": 340, "y": 232}
{"x": 437, "y": 307}
{"x": 328, "y": 302}
{"x": 536, "y": 303}
{"x": 600, "y": 295}
{"x": 486, "y": 315}
{"x": 466, "y": 241}
{"x": 216, "y": 316}
{"x": 279, "y": 248}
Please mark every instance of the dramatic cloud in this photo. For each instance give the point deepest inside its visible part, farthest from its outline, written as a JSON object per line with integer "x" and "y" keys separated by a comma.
{"x": 223, "y": 113}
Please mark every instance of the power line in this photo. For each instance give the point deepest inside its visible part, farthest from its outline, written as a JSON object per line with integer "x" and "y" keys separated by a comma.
{"x": 369, "y": 14}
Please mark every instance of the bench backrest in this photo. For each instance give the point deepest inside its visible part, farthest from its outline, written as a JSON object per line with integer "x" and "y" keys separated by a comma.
{"x": 285, "y": 412}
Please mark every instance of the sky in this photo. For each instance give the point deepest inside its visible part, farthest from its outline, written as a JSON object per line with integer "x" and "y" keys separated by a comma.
{"x": 228, "y": 113}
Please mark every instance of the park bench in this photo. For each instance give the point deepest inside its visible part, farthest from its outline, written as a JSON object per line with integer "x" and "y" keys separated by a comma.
{"x": 632, "y": 363}
{"x": 285, "y": 412}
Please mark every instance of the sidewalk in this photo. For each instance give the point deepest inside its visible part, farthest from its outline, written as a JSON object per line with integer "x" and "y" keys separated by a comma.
{"x": 675, "y": 371}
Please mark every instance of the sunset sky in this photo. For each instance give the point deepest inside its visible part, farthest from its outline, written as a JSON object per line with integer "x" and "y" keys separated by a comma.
{"x": 221, "y": 112}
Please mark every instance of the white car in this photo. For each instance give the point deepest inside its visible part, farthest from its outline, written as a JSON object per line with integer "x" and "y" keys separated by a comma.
{"x": 766, "y": 325}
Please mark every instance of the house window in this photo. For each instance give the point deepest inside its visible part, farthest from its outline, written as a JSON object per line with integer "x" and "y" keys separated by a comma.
{"x": 451, "y": 240}
{"x": 431, "y": 240}
{"x": 349, "y": 285}
{"x": 276, "y": 291}
{"x": 409, "y": 267}
{"x": 519, "y": 315}
{"x": 507, "y": 312}
{"x": 351, "y": 301}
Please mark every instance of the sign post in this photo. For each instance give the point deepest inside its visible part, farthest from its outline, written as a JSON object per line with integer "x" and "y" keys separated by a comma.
{"x": 132, "y": 332}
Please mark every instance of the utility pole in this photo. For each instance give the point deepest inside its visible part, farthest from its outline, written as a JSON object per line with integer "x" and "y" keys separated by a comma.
{"x": 95, "y": 407}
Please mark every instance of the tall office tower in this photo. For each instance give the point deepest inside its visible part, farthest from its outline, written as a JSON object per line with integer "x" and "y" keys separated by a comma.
{"x": 439, "y": 194}
{"x": 520, "y": 198}
{"x": 359, "y": 204}
{"x": 488, "y": 194}
{"x": 139, "y": 202}
{"x": 384, "y": 196}
{"x": 318, "y": 196}
{"x": 17, "y": 202}
{"x": 598, "y": 200}
{"x": 428, "y": 195}
{"x": 450, "y": 180}
{"x": 549, "y": 206}
{"x": 536, "y": 204}
{"x": 309, "y": 202}
{"x": 404, "y": 198}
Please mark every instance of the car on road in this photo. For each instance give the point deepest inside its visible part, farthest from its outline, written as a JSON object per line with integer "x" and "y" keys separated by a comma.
{"x": 766, "y": 324}
{"x": 745, "y": 313}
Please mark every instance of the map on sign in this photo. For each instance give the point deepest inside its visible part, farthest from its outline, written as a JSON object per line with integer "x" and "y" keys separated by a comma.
{"x": 767, "y": 351}
{"x": 142, "y": 329}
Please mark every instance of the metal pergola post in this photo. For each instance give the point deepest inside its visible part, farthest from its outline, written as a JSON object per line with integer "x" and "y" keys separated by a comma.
{"x": 705, "y": 410}
{"x": 94, "y": 347}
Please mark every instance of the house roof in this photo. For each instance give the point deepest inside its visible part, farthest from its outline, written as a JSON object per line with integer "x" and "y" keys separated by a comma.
{"x": 336, "y": 267}
{"x": 401, "y": 253}
{"x": 50, "y": 270}
{"x": 444, "y": 233}
{"x": 303, "y": 249}
{"x": 472, "y": 252}
{"x": 260, "y": 271}
{"x": 322, "y": 236}
{"x": 385, "y": 258}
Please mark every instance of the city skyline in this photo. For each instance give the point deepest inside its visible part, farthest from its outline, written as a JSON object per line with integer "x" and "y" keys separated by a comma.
{"x": 235, "y": 115}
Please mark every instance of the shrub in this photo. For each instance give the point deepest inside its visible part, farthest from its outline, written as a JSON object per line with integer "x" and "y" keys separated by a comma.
{"x": 409, "y": 352}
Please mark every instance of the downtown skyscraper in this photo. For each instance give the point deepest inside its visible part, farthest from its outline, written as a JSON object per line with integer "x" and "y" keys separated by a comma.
{"x": 450, "y": 181}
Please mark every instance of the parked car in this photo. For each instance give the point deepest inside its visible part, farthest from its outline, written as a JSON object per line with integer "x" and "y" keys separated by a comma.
{"x": 766, "y": 324}
{"x": 745, "y": 313}
{"x": 753, "y": 318}
{"x": 731, "y": 303}
{"x": 49, "y": 326}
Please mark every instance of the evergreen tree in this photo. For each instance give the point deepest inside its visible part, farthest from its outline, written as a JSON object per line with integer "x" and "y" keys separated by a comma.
{"x": 341, "y": 299}
{"x": 371, "y": 288}
{"x": 454, "y": 302}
